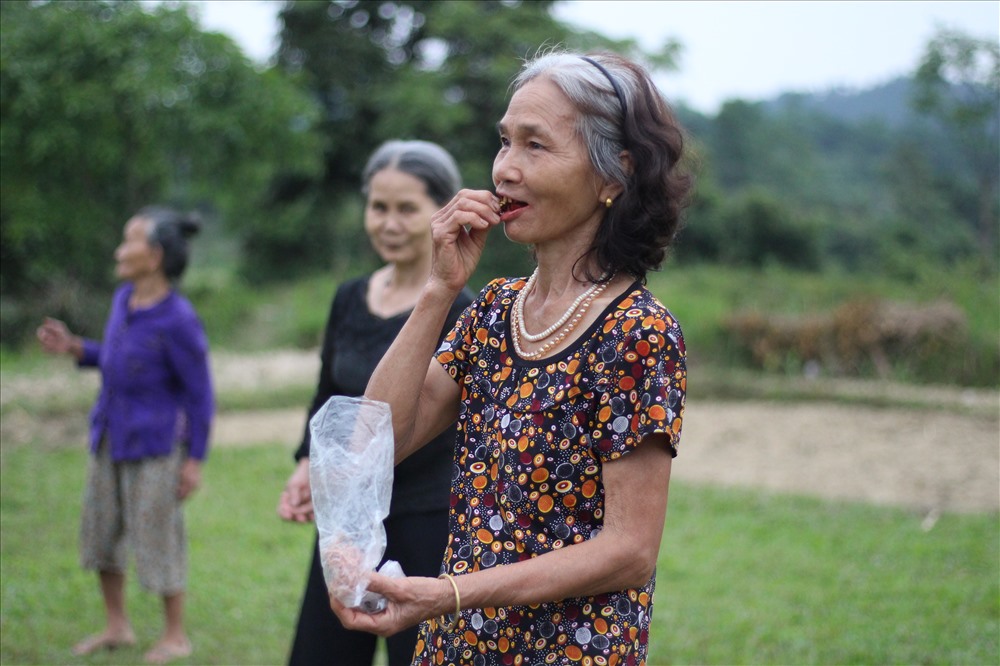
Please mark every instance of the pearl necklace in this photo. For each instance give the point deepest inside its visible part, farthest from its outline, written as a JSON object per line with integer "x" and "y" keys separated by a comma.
{"x": 519, "y": 304}
{"x": 579, "y": 306}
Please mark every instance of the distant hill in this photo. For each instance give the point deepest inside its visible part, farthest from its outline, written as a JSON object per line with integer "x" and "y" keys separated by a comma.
{"x": 889, "y": 103}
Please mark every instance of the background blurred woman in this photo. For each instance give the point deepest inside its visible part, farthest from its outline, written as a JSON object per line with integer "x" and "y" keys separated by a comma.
{"x": 149, "y": 428}
{"x": 404, "y": 183}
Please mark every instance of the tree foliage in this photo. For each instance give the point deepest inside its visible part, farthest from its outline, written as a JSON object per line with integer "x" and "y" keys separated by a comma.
{"x": 438, "y": 71}
{"x": 106, "y": 106}
{"x": 110, "y": 106}
{"x": 958, "y": 82}
{"x": 856, "y": 191}
{"x": 754, "y": 228}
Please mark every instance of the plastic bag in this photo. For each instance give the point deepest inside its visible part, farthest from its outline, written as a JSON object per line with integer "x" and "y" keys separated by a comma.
{"x": 350, "y": 473}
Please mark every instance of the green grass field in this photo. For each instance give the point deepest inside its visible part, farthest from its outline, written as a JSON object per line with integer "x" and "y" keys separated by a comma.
{"x": 744, "y": 577}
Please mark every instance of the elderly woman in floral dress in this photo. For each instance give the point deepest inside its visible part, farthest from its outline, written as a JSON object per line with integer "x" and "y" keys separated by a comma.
{"x": 568, "y": 385}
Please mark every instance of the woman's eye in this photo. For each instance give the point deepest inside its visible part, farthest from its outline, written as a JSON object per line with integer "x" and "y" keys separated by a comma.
{"x": 504, "y": 141}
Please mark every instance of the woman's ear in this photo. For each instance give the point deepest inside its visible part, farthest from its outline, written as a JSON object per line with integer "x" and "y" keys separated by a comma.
{"x": 611, "y": 190}
{"x": 157, "y": 257}
{"x": 625, "y": 158}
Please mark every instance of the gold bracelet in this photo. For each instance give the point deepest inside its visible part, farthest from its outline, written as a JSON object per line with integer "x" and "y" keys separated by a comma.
{"x": 458, "y": 604}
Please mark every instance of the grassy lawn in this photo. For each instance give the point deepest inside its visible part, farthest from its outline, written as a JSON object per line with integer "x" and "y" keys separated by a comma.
{"x": 247, "y": 568}
{"x": 744, "y": 577}
{"x": 751, "y": 578}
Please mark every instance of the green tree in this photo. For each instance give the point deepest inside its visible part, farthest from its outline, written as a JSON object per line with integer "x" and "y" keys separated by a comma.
{"x": 958, "y": 82}
{"x": 434, "y": 70}
{"x": 760, "y": 229}
{"x": 108, "y": 106}
{"x": 925, "y": 218}
{"x": 738, "y": 143}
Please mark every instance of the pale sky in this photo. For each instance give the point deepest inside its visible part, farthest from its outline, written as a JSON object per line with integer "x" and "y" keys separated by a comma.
{"x": 738, "y": 49}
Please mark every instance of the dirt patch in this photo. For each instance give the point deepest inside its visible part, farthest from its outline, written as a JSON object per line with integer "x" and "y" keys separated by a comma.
{"x": 930, "y": 459}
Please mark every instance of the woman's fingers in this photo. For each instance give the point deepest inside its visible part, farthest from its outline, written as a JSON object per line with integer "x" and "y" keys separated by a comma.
{"x": 478, "y": 209}
{"x": 405, "y": 606}
{"x": 459, "y": 231}
{"x": 295, "y": 503}
{"x": 190, "y": 478}
{"x": 381, "y": 623}
{"x": 384, "y": 585}
{"x": 285, "y": 506}
{"x": 53, "y": 335}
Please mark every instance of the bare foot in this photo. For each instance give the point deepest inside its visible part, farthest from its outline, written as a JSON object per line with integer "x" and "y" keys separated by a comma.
{"x": 106, "y": 640}
{"x": 167, "y": 651}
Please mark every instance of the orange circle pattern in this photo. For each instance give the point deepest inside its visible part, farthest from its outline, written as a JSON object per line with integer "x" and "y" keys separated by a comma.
{"x": 533, "y": 438}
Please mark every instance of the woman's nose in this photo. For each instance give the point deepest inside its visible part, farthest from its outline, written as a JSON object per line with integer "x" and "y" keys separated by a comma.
{"x": 505, "y": 168}
{"x": 389, "y": 221}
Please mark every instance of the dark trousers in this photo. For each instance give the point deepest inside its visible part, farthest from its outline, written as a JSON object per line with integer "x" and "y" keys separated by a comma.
{"x": 417, "y": 542}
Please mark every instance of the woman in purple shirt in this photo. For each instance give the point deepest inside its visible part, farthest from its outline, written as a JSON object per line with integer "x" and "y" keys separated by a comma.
{"x": 149, "y": 428}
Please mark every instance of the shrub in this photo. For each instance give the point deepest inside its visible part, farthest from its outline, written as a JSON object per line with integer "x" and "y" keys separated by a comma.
{"x": 868, "y": 337}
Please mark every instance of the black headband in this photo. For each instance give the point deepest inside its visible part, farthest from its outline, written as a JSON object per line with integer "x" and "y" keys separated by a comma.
{"x": 614, "y": 84}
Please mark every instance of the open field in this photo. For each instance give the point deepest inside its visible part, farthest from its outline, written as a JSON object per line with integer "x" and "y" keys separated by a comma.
{"x": 848, "y": 522}
{"x": 931, "y": 449}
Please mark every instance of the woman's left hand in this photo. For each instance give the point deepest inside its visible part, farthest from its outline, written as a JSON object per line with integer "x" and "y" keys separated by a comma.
{"x": 295, "y": 502}
{"x": 410, "y": 601}
{"x": 190, "y": 478}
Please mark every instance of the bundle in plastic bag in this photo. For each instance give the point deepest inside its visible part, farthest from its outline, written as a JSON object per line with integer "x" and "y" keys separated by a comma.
{"x": 350, "y": 473}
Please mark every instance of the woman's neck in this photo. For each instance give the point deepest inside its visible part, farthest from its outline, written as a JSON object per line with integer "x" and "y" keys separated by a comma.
{"x": 559, "y": 302}
{"x": 560, "y": 274}
{"x": 148, "y": 291}
{"x": 407, "y": 276}
{"x": 394, "y": 288}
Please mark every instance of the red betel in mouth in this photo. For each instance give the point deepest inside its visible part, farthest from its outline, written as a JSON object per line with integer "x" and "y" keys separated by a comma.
{"x": 507, "y": 204}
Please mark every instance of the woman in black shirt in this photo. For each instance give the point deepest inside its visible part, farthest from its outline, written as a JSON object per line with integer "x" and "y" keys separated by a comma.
{"x": 405, "y": 182}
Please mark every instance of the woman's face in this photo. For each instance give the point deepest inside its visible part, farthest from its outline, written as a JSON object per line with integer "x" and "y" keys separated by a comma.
{"x": 543, "y": 166}
{"x": 398, "y": 217}
{"x": 135, "y": 258}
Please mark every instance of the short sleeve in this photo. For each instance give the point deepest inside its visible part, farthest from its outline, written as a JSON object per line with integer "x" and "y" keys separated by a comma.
{"x": 644, "y": 393}
{"x": 462, "y": 341}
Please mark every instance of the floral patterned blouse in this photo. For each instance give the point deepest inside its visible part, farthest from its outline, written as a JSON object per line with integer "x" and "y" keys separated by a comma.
{"x": 527, "y": 477}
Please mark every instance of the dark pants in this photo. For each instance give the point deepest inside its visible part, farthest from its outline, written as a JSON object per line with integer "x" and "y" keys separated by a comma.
{"x": 417, "y": 542}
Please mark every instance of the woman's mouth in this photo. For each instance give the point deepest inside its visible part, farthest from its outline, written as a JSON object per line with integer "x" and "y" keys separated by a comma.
{"x": 508, "y": 205}
{"x": 391, "y": 245}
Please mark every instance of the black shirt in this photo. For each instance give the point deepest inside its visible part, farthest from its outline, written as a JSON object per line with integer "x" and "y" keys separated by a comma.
{"x": 353, "y": 344}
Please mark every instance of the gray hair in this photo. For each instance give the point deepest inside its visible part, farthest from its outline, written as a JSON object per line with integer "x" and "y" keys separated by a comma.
{"x": 601, "y": 121}
{"x": 428, "y": 162}
{"x": 170, "y": 230}
{"x": 620, "y": 109}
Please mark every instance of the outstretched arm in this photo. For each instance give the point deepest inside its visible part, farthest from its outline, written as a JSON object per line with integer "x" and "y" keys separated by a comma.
{"x": 56, "y": 338}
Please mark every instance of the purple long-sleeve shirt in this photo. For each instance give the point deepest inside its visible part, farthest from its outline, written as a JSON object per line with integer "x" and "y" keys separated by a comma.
{"x": 156, "y": 386}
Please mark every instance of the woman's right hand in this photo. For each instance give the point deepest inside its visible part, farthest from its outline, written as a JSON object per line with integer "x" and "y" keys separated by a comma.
{"x": 56, "y": 338}
{"x": 411, "y": 600}
{"x": 459, "y": 230}
{"x": 295, "y": 503}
